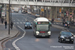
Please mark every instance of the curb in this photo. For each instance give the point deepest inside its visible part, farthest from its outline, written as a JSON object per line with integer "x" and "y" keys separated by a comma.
{"x": 8, "y": 39}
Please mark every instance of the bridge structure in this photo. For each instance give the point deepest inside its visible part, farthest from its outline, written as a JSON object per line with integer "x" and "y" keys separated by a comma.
{"x": 64, "y": 3}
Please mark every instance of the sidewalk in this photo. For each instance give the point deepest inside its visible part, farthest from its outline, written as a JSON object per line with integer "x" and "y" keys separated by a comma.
{"x": 4, "y": 33}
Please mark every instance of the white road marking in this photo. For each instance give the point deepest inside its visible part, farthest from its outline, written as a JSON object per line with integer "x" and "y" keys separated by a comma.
{"x": 8, "y": 48}
{"x": 20, "y": 22}
{"x": 17, "y": 22}
{"x": 14, "y": 45}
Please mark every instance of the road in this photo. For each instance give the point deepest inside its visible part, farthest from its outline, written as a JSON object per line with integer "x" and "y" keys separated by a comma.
{"x": 26, "y": 40}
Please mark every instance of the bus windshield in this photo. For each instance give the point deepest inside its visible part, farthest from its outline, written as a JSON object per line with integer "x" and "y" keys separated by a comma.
{"x": 42, "y": 27}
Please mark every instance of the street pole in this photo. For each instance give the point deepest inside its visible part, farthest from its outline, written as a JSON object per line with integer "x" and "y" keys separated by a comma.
{"x": 9, "y": 20}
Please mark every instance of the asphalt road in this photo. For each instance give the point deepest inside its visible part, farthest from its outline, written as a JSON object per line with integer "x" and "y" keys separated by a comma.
{"x": 29, "y": 42}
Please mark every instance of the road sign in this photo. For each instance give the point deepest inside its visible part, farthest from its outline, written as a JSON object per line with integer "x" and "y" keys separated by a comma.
{"x": 3, "y": 14}
{"x": 70, "y": 13}
{"x": 42, "y": 9}
{"x": 60, "y": 10}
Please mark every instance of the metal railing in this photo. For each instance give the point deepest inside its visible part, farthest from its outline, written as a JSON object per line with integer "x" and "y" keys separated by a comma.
{"x": 51, "y": 1}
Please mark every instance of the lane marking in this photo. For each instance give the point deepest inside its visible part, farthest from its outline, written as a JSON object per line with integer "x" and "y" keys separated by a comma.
{"x": 17, "y": 22}
{"x": 14, "y": 43}
{"x": 20, "y": 22}
{"x": 8, "y": 48}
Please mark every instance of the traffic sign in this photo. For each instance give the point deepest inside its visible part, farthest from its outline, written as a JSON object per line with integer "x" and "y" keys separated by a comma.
{"x": 3, "y": 13}
{"x": 60, "y": 10}
{"x": 42, "y": 9}
{"x": 70, "y": 13}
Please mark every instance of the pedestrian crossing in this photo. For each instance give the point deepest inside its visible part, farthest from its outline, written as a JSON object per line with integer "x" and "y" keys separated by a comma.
{"x": 20, "y": 22}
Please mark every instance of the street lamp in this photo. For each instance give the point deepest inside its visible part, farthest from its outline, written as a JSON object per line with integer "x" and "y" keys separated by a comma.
{"x": 9, "y": 20}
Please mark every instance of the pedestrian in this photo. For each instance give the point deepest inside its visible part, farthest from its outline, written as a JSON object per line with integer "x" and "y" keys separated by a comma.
{"x": 11, "y": 25}
{"x": 52, "y": 20}
{"x": 5, "y": 24}
{"x": 2, "y": 20}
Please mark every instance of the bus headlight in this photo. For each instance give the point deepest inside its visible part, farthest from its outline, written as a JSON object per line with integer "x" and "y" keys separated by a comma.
{"x": 49, "y": 32}
{"x": 37, "y": 32}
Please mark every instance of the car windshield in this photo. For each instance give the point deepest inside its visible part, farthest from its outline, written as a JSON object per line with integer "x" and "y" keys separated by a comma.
{"x": 27, "y": 23}
{"x": 42, "y": 27}
{"x": 66, "y": 33}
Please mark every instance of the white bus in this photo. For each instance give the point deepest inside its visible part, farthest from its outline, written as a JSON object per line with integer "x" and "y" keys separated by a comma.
{"x": 42, "y": 27}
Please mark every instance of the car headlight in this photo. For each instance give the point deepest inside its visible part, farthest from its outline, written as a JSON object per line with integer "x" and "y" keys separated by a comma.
{"x": 49, "y": 32}
{"x": 37, "y": 32}
{"x": 71, "y": 37}
{"x": 62, "y": 36}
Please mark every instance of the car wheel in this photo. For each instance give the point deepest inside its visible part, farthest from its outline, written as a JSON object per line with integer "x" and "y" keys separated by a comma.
{"x": 60, "y": 41}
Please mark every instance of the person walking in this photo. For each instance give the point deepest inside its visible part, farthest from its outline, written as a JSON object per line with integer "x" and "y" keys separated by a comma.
{"x": 5, "y": 24}
{"x": 11, "y": 25}
{"x": 52, "y": 20}
{"x": 2, "y": 20}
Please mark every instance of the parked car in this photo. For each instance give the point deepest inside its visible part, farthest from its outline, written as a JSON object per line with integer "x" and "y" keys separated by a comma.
{"x": 66, "y": 36}
{"x": 28, "y": 25}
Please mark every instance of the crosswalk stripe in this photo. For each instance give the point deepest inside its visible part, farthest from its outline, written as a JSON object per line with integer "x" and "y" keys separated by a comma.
{"x": 17, "y": 22}
{"x": 20, "y": 22}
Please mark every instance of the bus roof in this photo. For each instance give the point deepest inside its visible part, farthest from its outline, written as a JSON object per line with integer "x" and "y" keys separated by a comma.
{"x": 41, "y": 19}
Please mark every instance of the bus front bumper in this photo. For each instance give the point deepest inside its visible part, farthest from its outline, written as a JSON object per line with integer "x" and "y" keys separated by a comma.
{"x": 43, "y": 34}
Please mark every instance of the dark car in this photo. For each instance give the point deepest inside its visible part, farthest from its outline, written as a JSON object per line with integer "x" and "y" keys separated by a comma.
{"x": 28, "y": 25}
{"x": 66, "y": 36}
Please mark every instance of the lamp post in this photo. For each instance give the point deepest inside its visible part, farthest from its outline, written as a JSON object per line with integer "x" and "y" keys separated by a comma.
{"x": 9, "y": 20}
